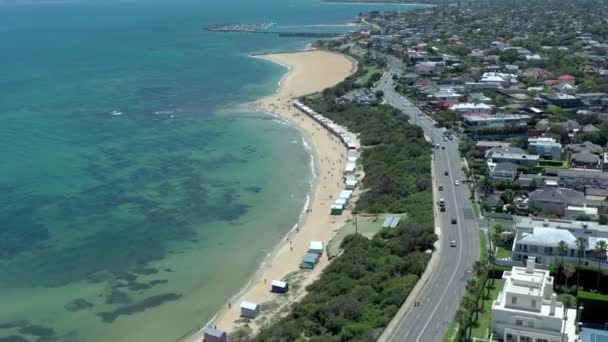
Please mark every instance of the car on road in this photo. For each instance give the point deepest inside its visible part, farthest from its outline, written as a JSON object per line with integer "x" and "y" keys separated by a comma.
{"x": 453, "y": 243}
{"x": 454, "y": 221}
{"x": 456, "y": 182}
{"x": 443, "y": 147}
{"x": 445, "y": 138}
{"x": 445, "y": 173}
{"x": 450, "y": 137}
{"x": 442, "y": 209}
{"x": 440, "y": 187}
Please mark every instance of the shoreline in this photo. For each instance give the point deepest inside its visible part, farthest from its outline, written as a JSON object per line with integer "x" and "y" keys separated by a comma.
{"x": 314, "y": 222}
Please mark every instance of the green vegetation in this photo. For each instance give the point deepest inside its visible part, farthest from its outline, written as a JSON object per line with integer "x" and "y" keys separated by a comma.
{"x": 595, "y": 305}
{"x": 361, "y": 290}
{"x": 475, "y": 207}
{"x": 485, "y": 317}
{"x": 503, "y": 253}
{"x": 367, "y": 225}
{"x": 483, "y": 245}
{"x": 554, "y": 163}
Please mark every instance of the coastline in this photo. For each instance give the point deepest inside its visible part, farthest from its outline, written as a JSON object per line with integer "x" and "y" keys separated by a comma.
{"x": 307, "y": 72}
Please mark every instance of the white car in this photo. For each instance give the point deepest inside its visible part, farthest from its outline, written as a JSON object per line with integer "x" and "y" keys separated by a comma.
{"x": 453, "y": 243}
{"x": 456, "y": 182}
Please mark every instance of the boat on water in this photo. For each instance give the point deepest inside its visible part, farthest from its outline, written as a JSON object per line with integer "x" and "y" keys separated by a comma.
{"x": 115, "y": 112}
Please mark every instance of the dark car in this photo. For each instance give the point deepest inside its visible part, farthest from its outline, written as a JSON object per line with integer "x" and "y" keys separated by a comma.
{"x": 445, "y": 173}
{"x": 453, "y": 221}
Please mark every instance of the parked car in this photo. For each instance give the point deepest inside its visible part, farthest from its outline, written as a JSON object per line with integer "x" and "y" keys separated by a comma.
{"x": 453, "y": 221}
{"x": 456, "y": 182}
{"x": 453, "y": 243}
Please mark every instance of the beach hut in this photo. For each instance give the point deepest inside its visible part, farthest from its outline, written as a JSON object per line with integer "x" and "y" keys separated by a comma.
{"x": 351, "y": 184}
{"x": 351, "y": 146}
{"x": 346, "y": 194}
{"x": 279, "y": 286}
{"x": 349, "y": 169}
{"x": 214, "y": 335}
{"x": 316, "y": 247}
{"x": 352, "y": 153}
{"x": 249, "y": 309}
{"x": 336, "y": 209}
{"x": 309, "y": 261}
{"x": 341, "y": 202}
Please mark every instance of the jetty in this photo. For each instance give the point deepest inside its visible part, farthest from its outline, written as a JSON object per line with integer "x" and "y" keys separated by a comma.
{"x": 262, "y": 28}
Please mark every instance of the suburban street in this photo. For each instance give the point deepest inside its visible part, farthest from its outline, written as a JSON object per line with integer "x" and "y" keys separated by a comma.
{"x": 440, "y": 297}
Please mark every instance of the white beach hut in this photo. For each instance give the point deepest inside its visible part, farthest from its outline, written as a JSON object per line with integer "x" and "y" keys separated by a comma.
{"x": 351, "y": 184}
{"x": 346, "y": 194}
{"x": 316, "y": 247}
{"x": 279, "y": 286}
{"x": 249, "y": 309}
{"x": 349, "y": 169}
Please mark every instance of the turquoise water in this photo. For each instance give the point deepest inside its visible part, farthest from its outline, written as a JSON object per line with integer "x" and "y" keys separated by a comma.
{"x": 139, "y": 226}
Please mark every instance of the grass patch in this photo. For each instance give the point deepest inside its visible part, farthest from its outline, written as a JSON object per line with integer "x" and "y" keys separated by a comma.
{"x": 476, "y": 210}
{"x": 503, "y": 253}
{"x": 369, "y": 73}
{"x": 480, "y": 330}
{"x": 592, "y": 295}
{"x": 452, "y": 334}
{"x": 367, "y": 225}
{"x": 483, "y": 245}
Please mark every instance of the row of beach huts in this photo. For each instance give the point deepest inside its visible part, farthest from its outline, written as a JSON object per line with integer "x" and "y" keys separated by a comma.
{"x": 351, "y": 143}
{"x": 251, "y": 310}
{"x": 315, "y": 250}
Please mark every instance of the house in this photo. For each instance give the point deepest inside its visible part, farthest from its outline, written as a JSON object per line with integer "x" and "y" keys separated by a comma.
{"x": 214, "y": 335}
{"x": 481, "y": 86}
{"x": 585, "y": 146}
{"x": 545, "y": 147}
{"x": 250, "y": 309}
{"x": 513, "y": 155}
{"x": 497, "y": 120}
{"x": 430, "y": 68}
{"x": 527, "y": 309}
{"x": 585, "y": 159}
{"x": 539, "y": 238}
{"x": 563, "y": 100}
{"x": 279, "y": 286}
{"x": 503, "y": 171}
{"x": 471, "y": 108}
{"x": 554, "y": 201}
{"x": 478, "y": 98}
{"x": 589, "y": 128}
{"x": 579, "y": 179}
{"x": 569, "y": 79}
{"x": 482, "y": 146}
{"x": 309, "y": 261}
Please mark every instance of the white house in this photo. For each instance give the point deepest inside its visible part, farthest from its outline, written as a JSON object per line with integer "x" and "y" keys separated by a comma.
{"x": 527, "y": 310}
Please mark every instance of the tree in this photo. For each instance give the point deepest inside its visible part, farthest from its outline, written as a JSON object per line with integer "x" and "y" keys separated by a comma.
{"x": 562, "y": 250}
{"x": 568, "y": 300}
{"x": 464, "y": 321}
{"x": 568, "y": 271}
{"x": 603, "y": 219}
{"x": 581, "y": 244}
{"x": 600, "y": 253}
{"x": 474, "y": 288}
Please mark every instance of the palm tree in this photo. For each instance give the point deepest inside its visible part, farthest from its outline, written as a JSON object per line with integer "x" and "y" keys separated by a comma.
{"x": 568, "y": 271}
{"x": 464, "y": 321}
{"x": 473, "y": 287}
{"x": 600, "y": 253}
{"x": 562, "y": 249}
{"x": 581, "y": 244}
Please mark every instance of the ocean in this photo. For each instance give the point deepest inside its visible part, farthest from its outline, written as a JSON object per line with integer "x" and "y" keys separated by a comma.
{"x": 138, "y": 190}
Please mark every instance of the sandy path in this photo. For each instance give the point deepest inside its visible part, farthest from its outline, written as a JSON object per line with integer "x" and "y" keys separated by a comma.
{"x": 310, "y": 71}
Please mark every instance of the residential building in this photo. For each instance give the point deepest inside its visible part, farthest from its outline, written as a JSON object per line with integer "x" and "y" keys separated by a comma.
{"x": 554, "y": 201}
{"x": 545, "y": 147}
{"x": 512, "y": 155}
{"x": 563, "y": 100}
{"x": 579, "y": 179}
{"x": 585, "y": 146}
{"x": 503, "y": 171}
{"x": 585, "y": 159}
{"x": 495, "y": 120}
{"x": 539, "y": 238}
{"x": 430, "y": 68}
{"x": 482, "y": 146}
{"x": 471, "y": 108}
{"x": 527, "y": 310}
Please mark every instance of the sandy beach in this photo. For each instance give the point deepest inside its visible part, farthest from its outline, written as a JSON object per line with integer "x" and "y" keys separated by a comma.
{"x": 309, "y": 72}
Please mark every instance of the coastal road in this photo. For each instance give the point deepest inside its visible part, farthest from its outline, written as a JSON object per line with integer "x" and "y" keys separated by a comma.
{"x": 440, "y": 298}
